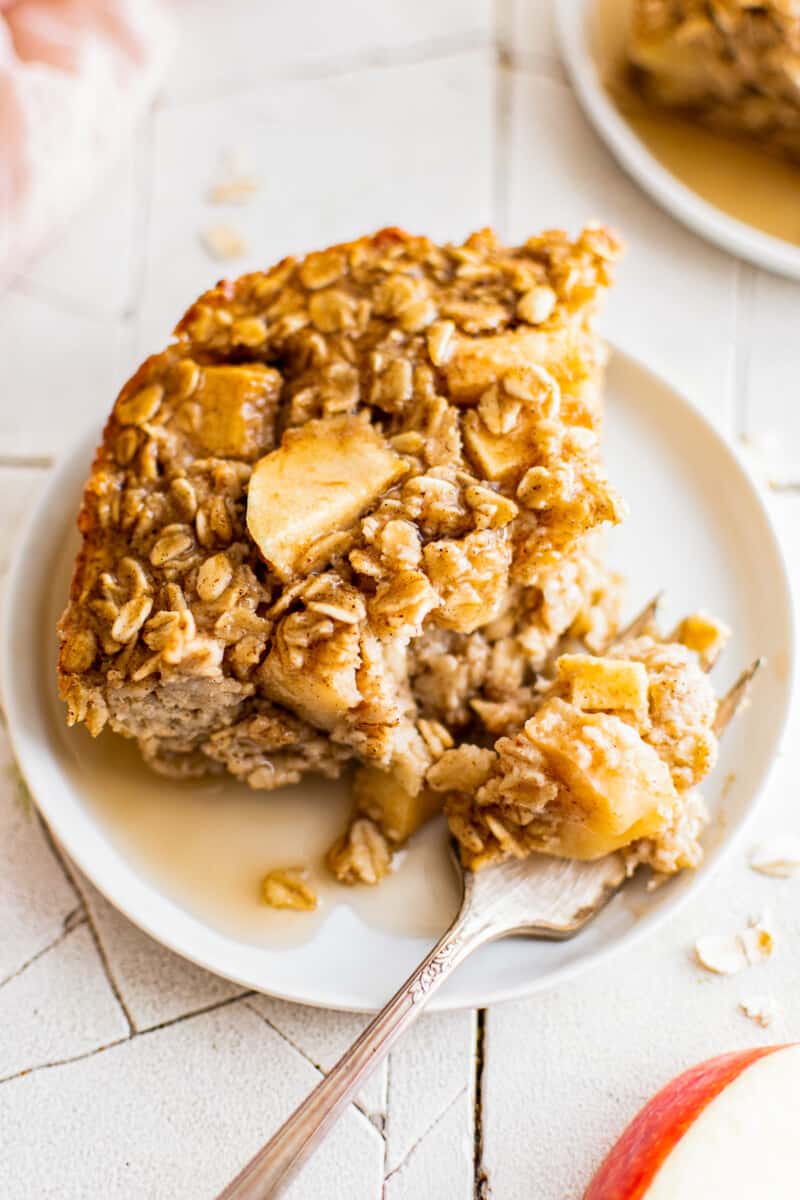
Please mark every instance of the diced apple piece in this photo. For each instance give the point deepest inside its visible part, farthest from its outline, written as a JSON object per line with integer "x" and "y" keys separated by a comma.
{"x": 621, "y": 789}
{"x": 498, "y": 456}
{"x": 321, "y": 479}
{"x": 325, "y": 688}
{"x": 477, "y": 362}
{"x": 237, "y": 410}
{"x": 703, "y": 634}
{"x": 395, "y": 810}
{"x": 604, "y": 684}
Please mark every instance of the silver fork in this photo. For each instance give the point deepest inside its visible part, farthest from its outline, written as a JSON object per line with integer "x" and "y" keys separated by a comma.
{"x": 539, "y": 897}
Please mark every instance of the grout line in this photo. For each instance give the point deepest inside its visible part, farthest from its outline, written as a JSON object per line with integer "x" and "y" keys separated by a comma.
{"x": 317, "y": 1067}
{"x": 62, "y": 1062}
{"x": 540, "y": 65}
{"x": 112, "y": 982}
{"x": 482, "y": 1188}
{"x": 386, "y": 1124}
{"x": 70, "y": 923}
{"x": 416, "y": 53}
{"x": 744, "y": 301}
{"x": 22, "y": 461}
{"x": 502, "y": 130}
{"x": 425, "y": 1134}
{"x": 196, "y": 1012}
{"x": 536, "y": 62}
{"x": 76, "y": 917}
{"x": 60, "y": 857}
{"x": 59, "y": 300}
{"x": 504, "y": 24}
{"x": 75, "y": 880}
{"x": 142, "y": 213}
{"x": 75, "y": 883}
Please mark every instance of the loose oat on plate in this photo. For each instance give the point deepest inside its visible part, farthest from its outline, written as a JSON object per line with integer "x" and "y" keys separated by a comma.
{"x": 348, "y": 516}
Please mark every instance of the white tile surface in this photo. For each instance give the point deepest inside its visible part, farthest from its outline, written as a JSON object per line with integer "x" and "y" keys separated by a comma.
{"x": 19, "y": 487}
{"x": 322, "y": 1037}
{"x": 770, "y": 323}
{"x": 35, "y": 897}
{"x": 442, "y": 142}
{"x": 335, "y": 157}
{"x": 59, "y": 1007}
{"x": 90, "y": 266}
{"x": 156, "y": 985}
{"x": 59, "y": 372}
{"x": 441, "y": 1164}
{"x": 222, "y": 56}
{"x": 431, "y": 1067}
{"x": 173, "y": 1113}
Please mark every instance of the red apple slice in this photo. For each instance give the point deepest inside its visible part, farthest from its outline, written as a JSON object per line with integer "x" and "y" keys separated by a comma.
{"x": 726, "y": 1129}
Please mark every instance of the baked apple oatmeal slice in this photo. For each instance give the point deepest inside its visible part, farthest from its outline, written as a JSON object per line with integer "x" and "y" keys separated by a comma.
{"x": 733, "y": 64}
{"x": 335, "y": 459}
{"x": 609, "y": 759}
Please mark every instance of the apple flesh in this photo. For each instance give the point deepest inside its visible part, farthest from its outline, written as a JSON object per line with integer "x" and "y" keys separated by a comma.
{"x": 726, "y": 1129}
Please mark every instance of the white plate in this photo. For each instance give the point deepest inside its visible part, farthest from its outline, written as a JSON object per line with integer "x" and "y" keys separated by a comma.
{"x": 697, "y": 526}
{"x": 573, "y": 24}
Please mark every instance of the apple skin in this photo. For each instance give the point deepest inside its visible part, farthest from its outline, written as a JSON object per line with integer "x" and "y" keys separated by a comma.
{"x": 628, "y": 1169}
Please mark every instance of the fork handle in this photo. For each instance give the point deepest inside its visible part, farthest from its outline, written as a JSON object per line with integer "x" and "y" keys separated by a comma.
{"x": 274, "y": 1166}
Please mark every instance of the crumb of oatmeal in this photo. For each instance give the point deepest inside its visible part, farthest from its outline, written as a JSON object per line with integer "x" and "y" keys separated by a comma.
{"x": 223, "y": 242}
{"x": 758, "y": 939}
{"x": 727, "y": 954}
{"x": 235, "y": 189}
{"x": 766, "y": 456}
{"x": 727, "y": 786}
{"x": 761, "y": 1009}
{"x": 722, "y": 954}
{"x": 234, "y": 183}
{"x": 779, "y": 856}
{"x": 288, "y": 888}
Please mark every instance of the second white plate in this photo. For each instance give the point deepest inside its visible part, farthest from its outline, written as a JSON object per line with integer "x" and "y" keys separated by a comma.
{"x": 697, "y": 527}
{"x": 574, "y": 24}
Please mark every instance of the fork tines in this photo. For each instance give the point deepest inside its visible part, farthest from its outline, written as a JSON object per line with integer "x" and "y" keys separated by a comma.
{"x": 735, "y": 697}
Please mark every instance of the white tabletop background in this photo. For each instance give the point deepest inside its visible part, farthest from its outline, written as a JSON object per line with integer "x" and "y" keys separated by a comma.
{"x": 127, "y": 1073}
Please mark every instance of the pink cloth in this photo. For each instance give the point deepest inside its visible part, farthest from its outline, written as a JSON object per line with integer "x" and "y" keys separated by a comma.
{"x": 74, "y": 76}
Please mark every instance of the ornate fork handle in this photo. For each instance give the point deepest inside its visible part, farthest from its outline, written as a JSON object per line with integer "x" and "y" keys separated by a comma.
{"x": 273, "y": 1167}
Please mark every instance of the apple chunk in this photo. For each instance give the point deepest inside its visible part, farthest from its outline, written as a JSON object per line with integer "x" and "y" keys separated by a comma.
{"x": 604, "y": 684}
{"x": 236, "y": 410}
{"x": 498, "y": 455}
{"x": 475, "y": 363}
{"x": 723, "y": 1130}
{"x": 321, "y": 478}
{"x": 620, "y": 787}
{"x": 397, "y": 811}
